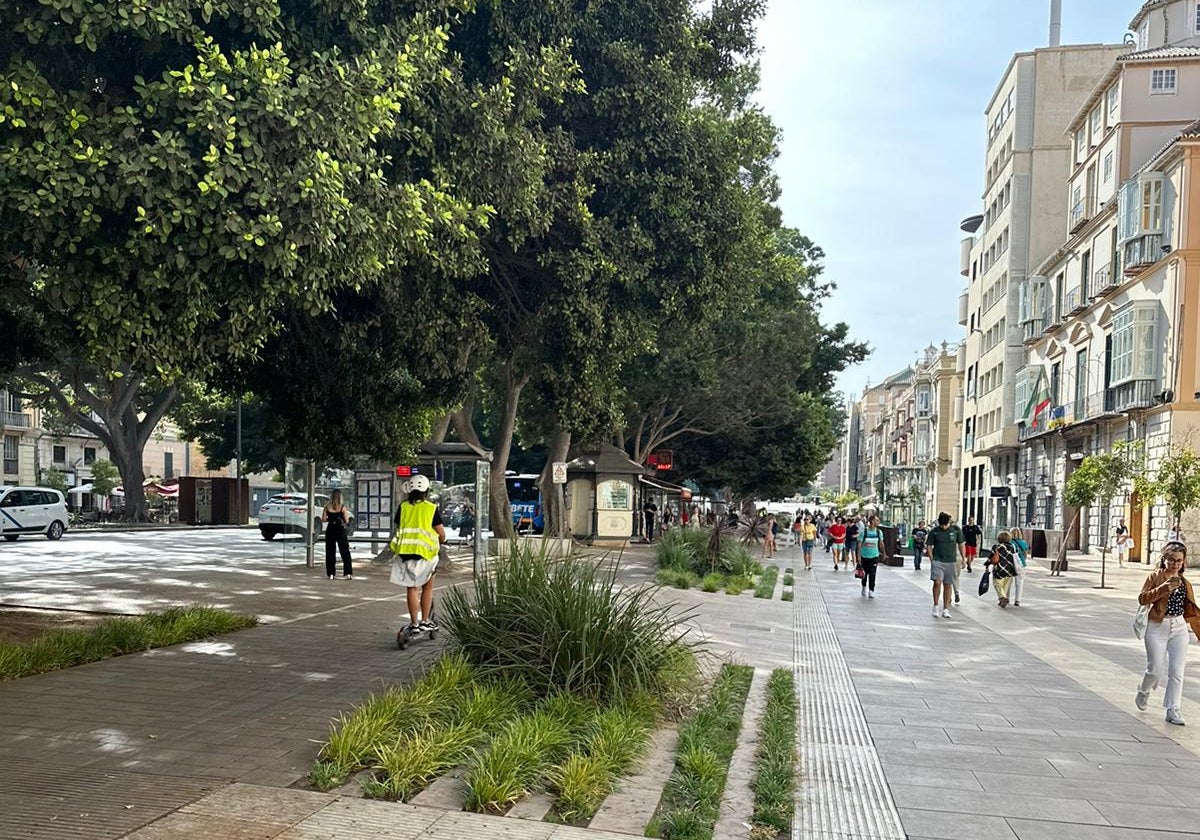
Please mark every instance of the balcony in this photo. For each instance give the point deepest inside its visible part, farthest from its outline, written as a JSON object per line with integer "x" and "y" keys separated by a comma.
{"x": 1104, "y": 281}
{"x": 1033, "y": 330}
{"x": 961, "y": 359}
{"x": 1128, "y": 396}
{"x": 958, "y": 408}
{"x": 16, "y": 419}
{"x": 1076, "y": 302}
{"x": 1138, "y": 254}
{"x": 963, "y": 309}
{"x": 993, "y": 443}
{"x": 1051, "y": 320}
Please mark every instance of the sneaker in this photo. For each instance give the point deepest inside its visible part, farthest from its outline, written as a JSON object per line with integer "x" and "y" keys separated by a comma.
{"x": 864, "y": 592}
{"x": 426, "y": 626}
{"x": 870, "y": 595}
{"x": 945, "y": 613}
{"x": 937, "y": 613}
{"x": 835, "y": 567}
{"x": 332, "y": 577}
{"x": 1140, "y": 699}
{"x": 1173, "y": 717}
{"x": 956, "y": 596}
{"x": 1016, "y": 603}
{"x": 347, "y": 577}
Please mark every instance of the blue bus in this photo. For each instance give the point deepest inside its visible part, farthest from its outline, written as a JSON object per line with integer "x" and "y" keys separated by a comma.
{"x": 525, "y": 497}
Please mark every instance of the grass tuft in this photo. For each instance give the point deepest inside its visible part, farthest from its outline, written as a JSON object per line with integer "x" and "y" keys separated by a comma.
{"x": 691, "y": 800}
{"x": 789, "y": 579}
{"x": 766, "y": 584}
{"x": 787, "y": 595}
{"x": 712, "y": 582}
{"x": 676, "y": 578}
{"x": 737, "y": 584}
{"x": 775, "y": 765}
{"x": 565, "y": 625}
{"x": 66, "y": 648}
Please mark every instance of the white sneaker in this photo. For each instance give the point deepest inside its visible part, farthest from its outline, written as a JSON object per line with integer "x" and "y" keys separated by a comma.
{"x": 870, "y": 594}
{"x": 1175, "y": 718}
{"x": 945, "y": 613}
{"x": 937, "y": 613}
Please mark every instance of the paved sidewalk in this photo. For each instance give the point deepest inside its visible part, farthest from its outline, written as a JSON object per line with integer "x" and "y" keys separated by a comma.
{"x": 994, "y": 724}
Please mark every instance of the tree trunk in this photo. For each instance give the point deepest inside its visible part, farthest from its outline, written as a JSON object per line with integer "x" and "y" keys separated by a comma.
{"x": 498, "y": 505}
{"x": 438, "y": 433}
{"x": 464, "y": 425}
{"x": 560, "y": 444}
{"x": 1057, "y": 564}
{"x": 127, "y": 458}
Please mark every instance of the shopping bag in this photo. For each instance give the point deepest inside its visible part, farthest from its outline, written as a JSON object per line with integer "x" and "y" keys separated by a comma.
{"x": 1140, "y": 619}
{"x": 984, "y": 582}
{"x": 860, "y": 572}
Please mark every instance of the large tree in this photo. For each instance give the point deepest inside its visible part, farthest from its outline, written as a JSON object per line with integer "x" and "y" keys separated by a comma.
{"x": 172, "y": 174}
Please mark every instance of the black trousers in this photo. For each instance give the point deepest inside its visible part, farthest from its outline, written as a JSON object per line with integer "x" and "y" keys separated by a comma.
{"x": 335, "y": 538}
{"x": 870, "y": 567}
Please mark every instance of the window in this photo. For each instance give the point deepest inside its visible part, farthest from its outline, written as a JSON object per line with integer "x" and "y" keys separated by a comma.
{"x": 1113, "y": 102}
{"x": 1163, "y": 80}
{"x": 1143, "y": 35}
{"x": 89, "y": 455}
{"x": 1134, "y": 339}
{"x": 10, "y": 455}
{"x": 1081, "y": 384}
{"x": 1096, "y": 124}
{"x": 1055, "y": 383}
{"x": 60, "y": 455}
{"x": 169, "y": 462}
{"x": 1108, "y": 167}
{"x": 1196, "y": 21}
{"x": 10, "y": 402}
{"x": 1080, "y": 144}
{"x": 1141, "y": 206}
{"x": 1152, "y": 206}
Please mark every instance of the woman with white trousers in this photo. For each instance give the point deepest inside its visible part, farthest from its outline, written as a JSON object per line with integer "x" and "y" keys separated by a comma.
{"x": 1173, "y": 616}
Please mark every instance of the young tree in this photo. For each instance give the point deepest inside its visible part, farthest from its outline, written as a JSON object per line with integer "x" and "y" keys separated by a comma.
{"x": 1177, "y": 483}
{"x": 104, "y": 479}
{"x": 1112, "y": 472}
{"x": 1080, "y": 492}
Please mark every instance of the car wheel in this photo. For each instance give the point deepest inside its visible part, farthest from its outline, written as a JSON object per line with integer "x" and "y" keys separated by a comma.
{"x": 55, "y": 531}
{"x": 11, "y": 537}
{"x": 268, "y": 533}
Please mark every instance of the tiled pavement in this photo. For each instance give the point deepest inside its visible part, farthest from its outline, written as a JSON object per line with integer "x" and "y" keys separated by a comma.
{"x": 995, "y": 724}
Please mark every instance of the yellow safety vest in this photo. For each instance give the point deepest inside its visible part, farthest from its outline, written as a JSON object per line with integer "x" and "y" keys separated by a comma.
{"x": 415, "y": 534}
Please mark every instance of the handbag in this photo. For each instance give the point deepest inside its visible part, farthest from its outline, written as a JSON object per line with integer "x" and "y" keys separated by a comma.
{"x": 1140, "y": 620}
{"x": 860, "y": 572}
{"x": 984, "y": 582}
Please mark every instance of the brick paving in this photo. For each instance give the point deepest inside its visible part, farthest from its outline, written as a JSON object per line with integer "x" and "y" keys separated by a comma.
{"x": 995, "y": 724}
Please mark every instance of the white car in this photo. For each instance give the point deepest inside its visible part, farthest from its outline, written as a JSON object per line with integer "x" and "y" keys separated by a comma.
{"x": 32, "y": 510}
{"x": 284, "y": 513}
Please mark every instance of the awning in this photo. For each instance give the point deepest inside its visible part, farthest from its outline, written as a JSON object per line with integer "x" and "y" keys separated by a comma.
{"x": 659, "y": 484}
{"x": 80, "y": 490}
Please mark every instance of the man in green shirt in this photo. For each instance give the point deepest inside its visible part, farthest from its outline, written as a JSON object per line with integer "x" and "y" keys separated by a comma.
{"x": 944, "y": 545}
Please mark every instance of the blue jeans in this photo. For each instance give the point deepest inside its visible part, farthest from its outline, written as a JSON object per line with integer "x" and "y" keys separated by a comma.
{"x": 918, "y": 553}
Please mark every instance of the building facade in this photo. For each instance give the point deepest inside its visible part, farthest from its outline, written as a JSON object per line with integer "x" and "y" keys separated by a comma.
{"x": 1024, "y": 220}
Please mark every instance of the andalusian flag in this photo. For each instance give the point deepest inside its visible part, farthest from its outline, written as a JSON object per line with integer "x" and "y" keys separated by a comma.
{"x": 1039, "y": 399}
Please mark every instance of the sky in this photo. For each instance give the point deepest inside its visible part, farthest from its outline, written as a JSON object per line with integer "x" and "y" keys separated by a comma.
{"x": 880, "y": 106}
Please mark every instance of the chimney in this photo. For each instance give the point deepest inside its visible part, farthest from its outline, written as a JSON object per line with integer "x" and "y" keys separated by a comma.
{"x": 1055, "y": 23}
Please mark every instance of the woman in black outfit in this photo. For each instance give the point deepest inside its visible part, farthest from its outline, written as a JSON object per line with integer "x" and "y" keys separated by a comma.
{"x": 336, "y": 517}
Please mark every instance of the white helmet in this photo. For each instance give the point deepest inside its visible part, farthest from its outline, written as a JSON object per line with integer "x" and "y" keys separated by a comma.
{"x": 418, "y": 482}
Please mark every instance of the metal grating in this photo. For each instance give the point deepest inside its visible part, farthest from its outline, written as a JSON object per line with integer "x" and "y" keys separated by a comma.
{"x": 841, "y": 792}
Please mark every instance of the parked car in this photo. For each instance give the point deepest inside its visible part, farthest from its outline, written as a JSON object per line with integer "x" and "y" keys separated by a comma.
{"x": 32, "y": 510}
{"x": 284, "y": 513}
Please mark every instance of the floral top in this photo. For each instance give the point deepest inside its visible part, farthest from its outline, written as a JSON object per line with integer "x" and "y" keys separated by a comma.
{"x": 1175, "y": 601}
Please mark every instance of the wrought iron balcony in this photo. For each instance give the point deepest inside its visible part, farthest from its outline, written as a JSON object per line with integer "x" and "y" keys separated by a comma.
{"x": 1139, "y": 253}
{"x": 16, "y": 419}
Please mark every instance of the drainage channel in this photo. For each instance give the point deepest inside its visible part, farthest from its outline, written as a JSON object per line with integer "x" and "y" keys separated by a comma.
{"x": 841, "y": 792}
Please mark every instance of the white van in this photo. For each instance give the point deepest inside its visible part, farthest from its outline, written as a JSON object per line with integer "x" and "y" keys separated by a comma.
{"x": 32, "y": 510}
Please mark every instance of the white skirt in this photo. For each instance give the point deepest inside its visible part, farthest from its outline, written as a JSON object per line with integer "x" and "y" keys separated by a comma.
{"x": 412, "y": 572}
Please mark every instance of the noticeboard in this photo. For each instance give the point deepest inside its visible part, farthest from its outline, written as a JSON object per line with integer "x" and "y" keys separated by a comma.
{"x": 375, "y": 501}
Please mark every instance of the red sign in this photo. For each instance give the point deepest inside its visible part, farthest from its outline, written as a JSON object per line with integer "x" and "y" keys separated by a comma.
{"x": 662, "y": 459}
{"x": 404, "y": 472}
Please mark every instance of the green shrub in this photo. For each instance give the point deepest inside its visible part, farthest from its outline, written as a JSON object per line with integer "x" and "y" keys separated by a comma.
{"x": 766, "y": 584}
{"x": 737, "y": 561}
{"x": 712, "y": 582}
{"x": 675, "y": 553}
{"x": 737, "y": 584}
{"x": 615, "y": 739}
{"x": 115, "y": 637}
{"x": 775, "y": 764}
{"x": 565, "y": 625}
{"x": 787, "y": 595}
{"x": 691, "y": 800}
{"x": 581, "y": 782}
{"x": 676, "y": 578}
{"x": 789, "y": 579}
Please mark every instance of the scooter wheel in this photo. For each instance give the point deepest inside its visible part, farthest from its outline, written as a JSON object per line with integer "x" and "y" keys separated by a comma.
{"x": 401, "y": 640}
{"x": 433, "y": 634}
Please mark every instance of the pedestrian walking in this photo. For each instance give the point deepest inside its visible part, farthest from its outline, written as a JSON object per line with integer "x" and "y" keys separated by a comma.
{"x": 797, "y": 528}
{"x": 1173, "y": 614}
{"x": 649, "y": 514}
{"x": 870, "y": 550}
{"x": 1022, "y": 549}
{"x": 1003, "y": 563}
{"x": 808, "y": 537}
{"x": 918, "y": 539}
{"x": 944, "y": 547}
{"x": 971, "y": 534}
{"x": 336, "y": 517}
{"x": 769, "y": 537}
{"x": 1121, "y": 542}
{"x": 416, "y": 543}
{"x": 837, "y": 532}
{"x": 852, "y": 531}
